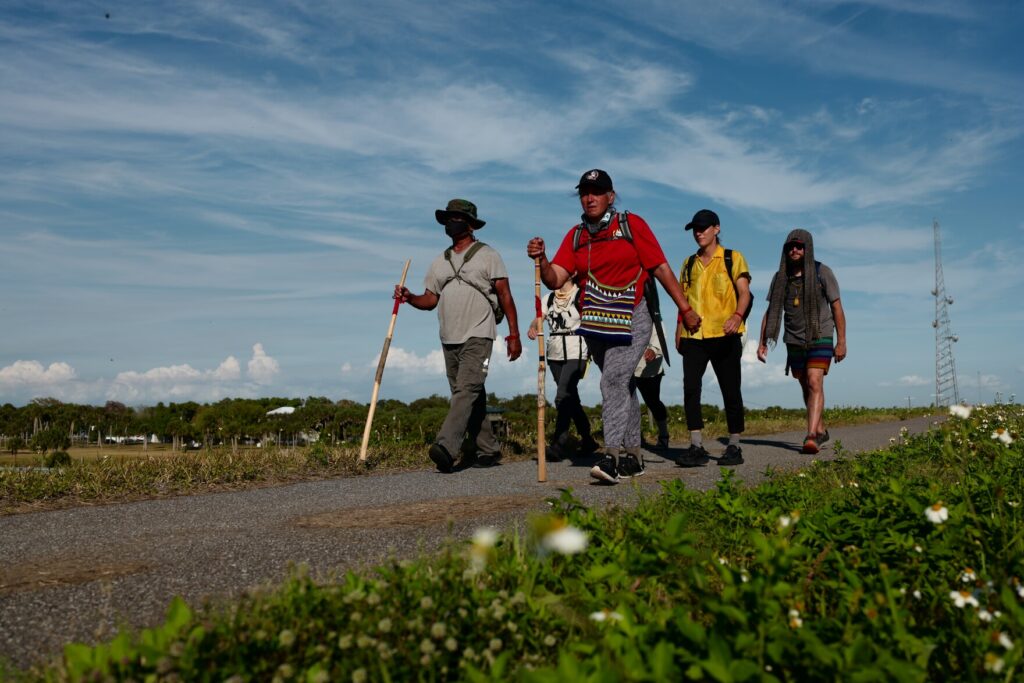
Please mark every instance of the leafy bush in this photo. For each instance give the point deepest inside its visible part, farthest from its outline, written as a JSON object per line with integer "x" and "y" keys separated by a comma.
{"x": 57, "y": 459}
{"x": 14, "y": 444}
{"x": 51, "y": 439}
{"x": 902, "y": 565}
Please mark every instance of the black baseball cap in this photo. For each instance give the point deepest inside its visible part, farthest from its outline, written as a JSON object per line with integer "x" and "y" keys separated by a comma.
{"x": 597, "y": 179}
{"x": 704, "y": 218}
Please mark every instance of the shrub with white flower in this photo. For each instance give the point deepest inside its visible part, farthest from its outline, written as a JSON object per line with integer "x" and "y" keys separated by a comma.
{"x": 963, "y": 412}
{"x": 937, "y": 514}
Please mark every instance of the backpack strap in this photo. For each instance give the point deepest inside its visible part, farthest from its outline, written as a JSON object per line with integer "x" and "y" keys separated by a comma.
{"x": 624, "y": 230}
{"x": 688, "y": 269}
{"x": 499, "y": 314}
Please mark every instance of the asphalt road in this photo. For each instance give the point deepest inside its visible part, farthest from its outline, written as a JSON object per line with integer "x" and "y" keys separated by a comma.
{"x": 74, "y": 574}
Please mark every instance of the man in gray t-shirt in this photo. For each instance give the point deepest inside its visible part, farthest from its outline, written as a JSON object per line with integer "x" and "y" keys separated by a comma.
{"x": 468, "y": 284}
{"x": 805, "y": 293}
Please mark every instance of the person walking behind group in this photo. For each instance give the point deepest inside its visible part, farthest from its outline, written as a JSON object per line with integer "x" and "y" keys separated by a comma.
{"x": 468, "y": 284}
{"x": 612, "y": 256}
{"x": 649, "y": 373}
{"x": 716, "y": 282}
{"x": 805, "y": 293}
{"x": 566, "y": 354}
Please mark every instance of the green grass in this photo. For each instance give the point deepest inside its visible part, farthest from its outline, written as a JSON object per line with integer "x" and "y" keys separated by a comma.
{"x": 123, "y": 473}
{"x": 835, "y": 572}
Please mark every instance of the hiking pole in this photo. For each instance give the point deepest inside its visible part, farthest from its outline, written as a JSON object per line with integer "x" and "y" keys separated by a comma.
{"x": 380, "y": 368}
{"x": 542, "y": 466}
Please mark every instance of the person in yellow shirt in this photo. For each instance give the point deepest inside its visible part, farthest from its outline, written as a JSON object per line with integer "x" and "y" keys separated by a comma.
{"x": 721, "y": 297}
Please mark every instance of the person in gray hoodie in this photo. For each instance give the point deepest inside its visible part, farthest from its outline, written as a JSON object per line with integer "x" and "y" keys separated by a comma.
{"x": 805, "y": 293}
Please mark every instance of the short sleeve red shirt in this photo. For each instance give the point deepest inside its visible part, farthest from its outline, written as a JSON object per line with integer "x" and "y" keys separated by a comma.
{"x": 611, "y": 258}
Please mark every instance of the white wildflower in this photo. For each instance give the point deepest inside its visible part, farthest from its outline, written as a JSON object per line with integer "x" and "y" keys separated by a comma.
{"x": 794, "y": 619}
{"x": 963, "y": 412}
{"x": 984, "y": 615}
{"x": 994, "y": 663}
{"x": 485, "y": 537}
{"x": 1005, "y": 641}
{"x": 968, "y": 576}
{"x": 567, "y": 541}
{"x": 605, "y": 615}
{"x": 937, "y": 514}
{"x": 1002, "y": 435}
{"x": 963, "y": 598}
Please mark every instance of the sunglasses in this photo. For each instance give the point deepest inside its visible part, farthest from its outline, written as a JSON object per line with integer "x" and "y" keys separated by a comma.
{"x": 790, "y": 246}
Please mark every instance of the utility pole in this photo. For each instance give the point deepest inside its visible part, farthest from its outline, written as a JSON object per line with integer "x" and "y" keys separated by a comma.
{"x": 946, "y": 391}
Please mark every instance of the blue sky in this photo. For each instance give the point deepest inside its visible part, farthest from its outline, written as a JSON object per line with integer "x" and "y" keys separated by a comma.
{"x": 210, "y": 199}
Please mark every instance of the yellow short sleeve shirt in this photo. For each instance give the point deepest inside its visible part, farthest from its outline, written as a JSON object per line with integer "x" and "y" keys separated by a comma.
{"x": 711, "y": 292}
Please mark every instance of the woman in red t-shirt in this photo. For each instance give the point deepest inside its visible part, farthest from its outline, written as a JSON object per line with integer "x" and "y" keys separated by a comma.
{"x": 611, "y": 257}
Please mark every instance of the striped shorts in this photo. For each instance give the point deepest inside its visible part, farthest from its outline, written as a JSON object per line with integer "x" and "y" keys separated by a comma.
{"x": 818, "y": 355}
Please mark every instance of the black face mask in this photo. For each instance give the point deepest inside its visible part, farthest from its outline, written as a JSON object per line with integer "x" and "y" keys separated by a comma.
{"x": 456, "y": 229}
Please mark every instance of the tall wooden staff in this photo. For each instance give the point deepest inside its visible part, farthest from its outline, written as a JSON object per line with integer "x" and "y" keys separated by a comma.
{"x": 542, "y": 466}
{"x": 380, "y": 369}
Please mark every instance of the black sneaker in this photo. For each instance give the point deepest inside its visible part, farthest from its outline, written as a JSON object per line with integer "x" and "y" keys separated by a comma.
{"x": 694, "y": 456}
{"x": 631, "y": 466}
{"x": 442, "y": 458}
{"x": 823, "y": 437}
{"x": 554, "y": 453}
{"x": 488, "y": 460}
{"x": 733, "y": 456}
{"x": 662, "y": 443}
{"x": 588, "y": 447}
{"x": 606, "y": 471}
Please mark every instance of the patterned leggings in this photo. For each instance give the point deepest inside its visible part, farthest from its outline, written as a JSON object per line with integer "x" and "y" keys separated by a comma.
{"x": 620, "y": 407}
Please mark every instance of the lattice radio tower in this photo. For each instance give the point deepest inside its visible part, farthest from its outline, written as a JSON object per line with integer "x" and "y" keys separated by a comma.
{"x": 946, "y": 392}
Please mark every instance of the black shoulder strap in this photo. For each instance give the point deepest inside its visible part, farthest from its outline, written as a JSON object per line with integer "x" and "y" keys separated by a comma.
{"x": 551, "y": 300}
{"x": 577, "y": 231}
{"x": 475, "y": 247}
{"x": 688, "y": 269}
{"x": 728, "y": 266}
{"x": 624, "y": 229}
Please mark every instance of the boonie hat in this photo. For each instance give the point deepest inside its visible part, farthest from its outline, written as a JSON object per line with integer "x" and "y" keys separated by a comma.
{"x": 596, "y": 178}
{"x": 459, "y": 208}
{"x": 704, "y": 218}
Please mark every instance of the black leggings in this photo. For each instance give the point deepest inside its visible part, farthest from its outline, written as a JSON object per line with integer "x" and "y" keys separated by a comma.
{"x": 724, "y": 354}
{"x": 650, "y": 390}
{"x": 567, "y": 374}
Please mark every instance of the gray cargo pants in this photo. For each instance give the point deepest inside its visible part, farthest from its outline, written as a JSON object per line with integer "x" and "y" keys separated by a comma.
{"x": 466, "y": 365}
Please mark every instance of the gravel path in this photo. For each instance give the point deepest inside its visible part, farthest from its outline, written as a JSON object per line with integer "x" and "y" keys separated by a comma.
{"x": 75, "y": 574}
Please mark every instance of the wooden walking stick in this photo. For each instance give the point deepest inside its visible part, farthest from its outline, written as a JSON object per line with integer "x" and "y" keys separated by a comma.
{"x": 542, "y": 466}
{"x": 380, "y": 369}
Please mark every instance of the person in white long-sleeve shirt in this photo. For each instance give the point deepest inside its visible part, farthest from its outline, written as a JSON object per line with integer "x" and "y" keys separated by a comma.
{"x": 567, "y": 356}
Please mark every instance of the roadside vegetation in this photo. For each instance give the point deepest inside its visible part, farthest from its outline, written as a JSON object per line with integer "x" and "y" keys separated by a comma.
{"x": 74, "y": 459}
{"x": 900, "y": 565}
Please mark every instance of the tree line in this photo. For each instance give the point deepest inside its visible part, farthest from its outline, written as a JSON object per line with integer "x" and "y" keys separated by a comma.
{"x": 50, "y": 424}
